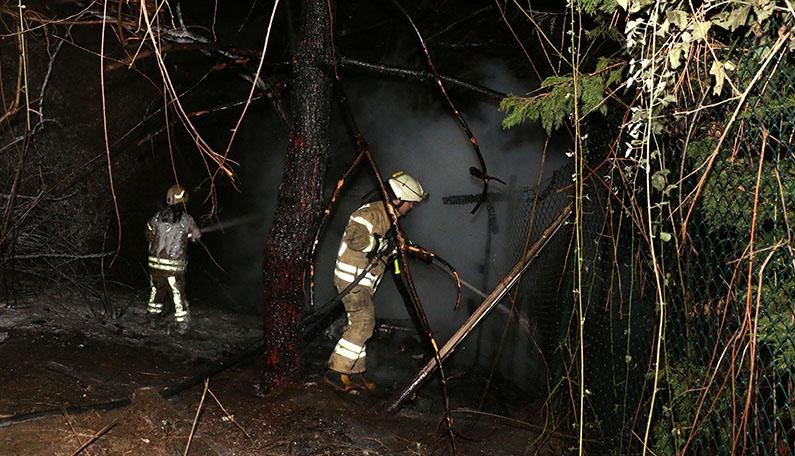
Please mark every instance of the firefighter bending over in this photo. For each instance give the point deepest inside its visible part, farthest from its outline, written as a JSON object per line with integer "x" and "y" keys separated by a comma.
{"x": 361, "y": 261}
{"x": 168, "y": 232}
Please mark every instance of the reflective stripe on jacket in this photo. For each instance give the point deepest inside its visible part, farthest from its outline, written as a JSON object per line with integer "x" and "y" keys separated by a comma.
{"x": 365, "y": 222}
{"x": 167, "y": 265}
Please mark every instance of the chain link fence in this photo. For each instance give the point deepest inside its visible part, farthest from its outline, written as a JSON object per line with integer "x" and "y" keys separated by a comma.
{"x": 725, "y": 383}
{"x": 729, "y": 378}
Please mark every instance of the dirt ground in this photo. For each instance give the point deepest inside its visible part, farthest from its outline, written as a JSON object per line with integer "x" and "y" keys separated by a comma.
{"x": 73, "y": 382}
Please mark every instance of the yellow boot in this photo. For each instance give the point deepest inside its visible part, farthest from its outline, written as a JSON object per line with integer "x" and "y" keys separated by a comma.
{"x": 363, "y": 383}
{"x": 341, "y": 382}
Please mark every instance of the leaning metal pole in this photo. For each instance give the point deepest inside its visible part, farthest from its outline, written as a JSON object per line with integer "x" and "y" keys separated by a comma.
{"x": 485, "y": 307}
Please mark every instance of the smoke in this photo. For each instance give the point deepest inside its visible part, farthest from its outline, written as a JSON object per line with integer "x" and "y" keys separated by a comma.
{"x": 260, "y": 149}
{"x": 409, "y": 129}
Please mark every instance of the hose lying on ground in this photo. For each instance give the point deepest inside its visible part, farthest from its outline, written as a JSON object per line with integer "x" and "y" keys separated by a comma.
{"x": 165, "y": 392}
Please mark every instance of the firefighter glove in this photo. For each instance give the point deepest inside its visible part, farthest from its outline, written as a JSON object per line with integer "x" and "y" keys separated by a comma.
{"x": 377, "y": 245}
{"x": 381, "y": 248}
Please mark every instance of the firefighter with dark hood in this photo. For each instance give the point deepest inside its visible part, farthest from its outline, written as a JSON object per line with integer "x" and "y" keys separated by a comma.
{"x": 361, "y": 261}
{"x": 168, "y": 233}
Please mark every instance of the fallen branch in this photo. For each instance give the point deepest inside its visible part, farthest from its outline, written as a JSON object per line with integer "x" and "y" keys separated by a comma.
{"x": 487, "y": 306}
{"x": 70, "y": 256}
{"x": 94, "y": 438}
{"x": 404, "y": 74}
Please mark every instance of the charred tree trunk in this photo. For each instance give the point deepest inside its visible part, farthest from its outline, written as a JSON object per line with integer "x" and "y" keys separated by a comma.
{"x": 299, "y": 203}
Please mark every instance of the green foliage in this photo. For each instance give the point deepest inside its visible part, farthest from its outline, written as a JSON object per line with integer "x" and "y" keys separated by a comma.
{"x": 729, "y": 194}
{"x": 771, "y": 108}
{"x": 606, "y": 33}
{"x": 777, "y": 334}
{"x": 551, "y": 107}
{"x": 730, "y": 189}
{"x": 732, "y": 19}
{"x": 598, "y": 6}
{"x": 683, "y": 382}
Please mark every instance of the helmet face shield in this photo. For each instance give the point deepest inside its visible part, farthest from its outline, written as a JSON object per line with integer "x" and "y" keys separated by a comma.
{"x": 176, "y": 195}
{"x": 406, "y": 188}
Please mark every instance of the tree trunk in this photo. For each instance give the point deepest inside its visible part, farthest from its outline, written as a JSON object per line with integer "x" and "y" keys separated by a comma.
{"x": 299, "y": 203}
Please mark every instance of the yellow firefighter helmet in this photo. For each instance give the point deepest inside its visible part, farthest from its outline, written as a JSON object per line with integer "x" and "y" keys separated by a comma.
{"x": 406, "y": 188}
{"x": 176, "y": 195}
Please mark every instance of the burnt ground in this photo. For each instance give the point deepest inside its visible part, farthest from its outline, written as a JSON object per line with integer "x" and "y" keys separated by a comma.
{"x": 73, "y": 379}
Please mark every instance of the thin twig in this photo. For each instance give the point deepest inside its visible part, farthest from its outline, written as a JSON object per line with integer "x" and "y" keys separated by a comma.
{"x": 657, "y": 268}
{"x": 748, "y": 320}
{"x": 484, "y": 174}
{"x": 579, "y": 158}
{"x": 229, "y": 416}
{"x": 105, "y": 131}
{"x": 71, "y": 427}
{"x": 254, "y": 83}
{"x": 94, "y": 438}
{"x": 196, "y": 418}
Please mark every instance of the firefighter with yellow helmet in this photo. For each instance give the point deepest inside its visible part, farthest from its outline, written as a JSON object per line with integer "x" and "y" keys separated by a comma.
{"x": 361, "y": 262}
{"x": 168, "y": 233}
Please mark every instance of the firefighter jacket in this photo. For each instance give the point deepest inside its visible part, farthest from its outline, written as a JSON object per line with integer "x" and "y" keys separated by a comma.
{"x": 365, "y": 225}
{"x": 168, "y": 241}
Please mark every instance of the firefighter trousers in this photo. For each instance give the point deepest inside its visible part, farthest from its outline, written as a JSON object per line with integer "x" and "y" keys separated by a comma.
{"x": 165, "y": 283}
{"x": 349, "y": 355}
